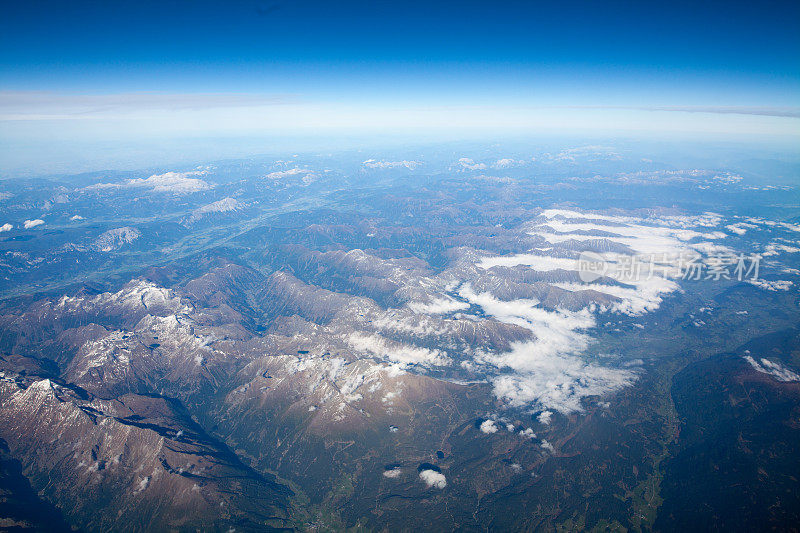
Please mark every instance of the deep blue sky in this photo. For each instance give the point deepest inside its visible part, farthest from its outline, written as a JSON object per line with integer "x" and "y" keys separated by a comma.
{"x": 196, "y": 45}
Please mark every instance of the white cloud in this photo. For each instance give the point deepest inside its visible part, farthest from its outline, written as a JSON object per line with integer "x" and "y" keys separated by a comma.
{"x": 437, "y": 306}
{"x": 778, "y": 285}
{"x": 393, "y": 473}
{"x": 6, "y": 227}
{"x": 508, "y": 163}
{"x": 740, "y": 228}
{"x": 655, "y": 235}
{"x": 776, "y": 248}
{"x": 546, "y": 371}
{"x": 554, "y": 381}
{"x": 75, "y": 217}
{"x": 545, "y": 417}
{"x": 488, "y": 426}
{"x": 557, "y": 332}
{"x": 397, "y": 352}
{"x": 541, "y": 263}
{"x": 547, "y": 446}
{"x": 642, "y": 296}
{"x": 33, "y": 223}
{"x": 790, "y": 227}
{"x": 432, "y": 478}
{"x": 776, "y": 370}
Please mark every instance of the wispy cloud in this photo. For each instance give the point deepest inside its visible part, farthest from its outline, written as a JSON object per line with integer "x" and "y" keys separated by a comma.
{"x": 776, "y": 370}
{"x": 46, "y": 105}
{"x": 393, "y": 473}
{"x": 764, "y": 111}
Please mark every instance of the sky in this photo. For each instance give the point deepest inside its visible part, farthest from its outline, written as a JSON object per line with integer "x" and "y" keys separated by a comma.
{"x": 85, "y": 72}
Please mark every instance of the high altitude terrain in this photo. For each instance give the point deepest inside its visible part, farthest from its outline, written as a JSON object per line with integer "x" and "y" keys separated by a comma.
{"x": 401, "y": 341}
